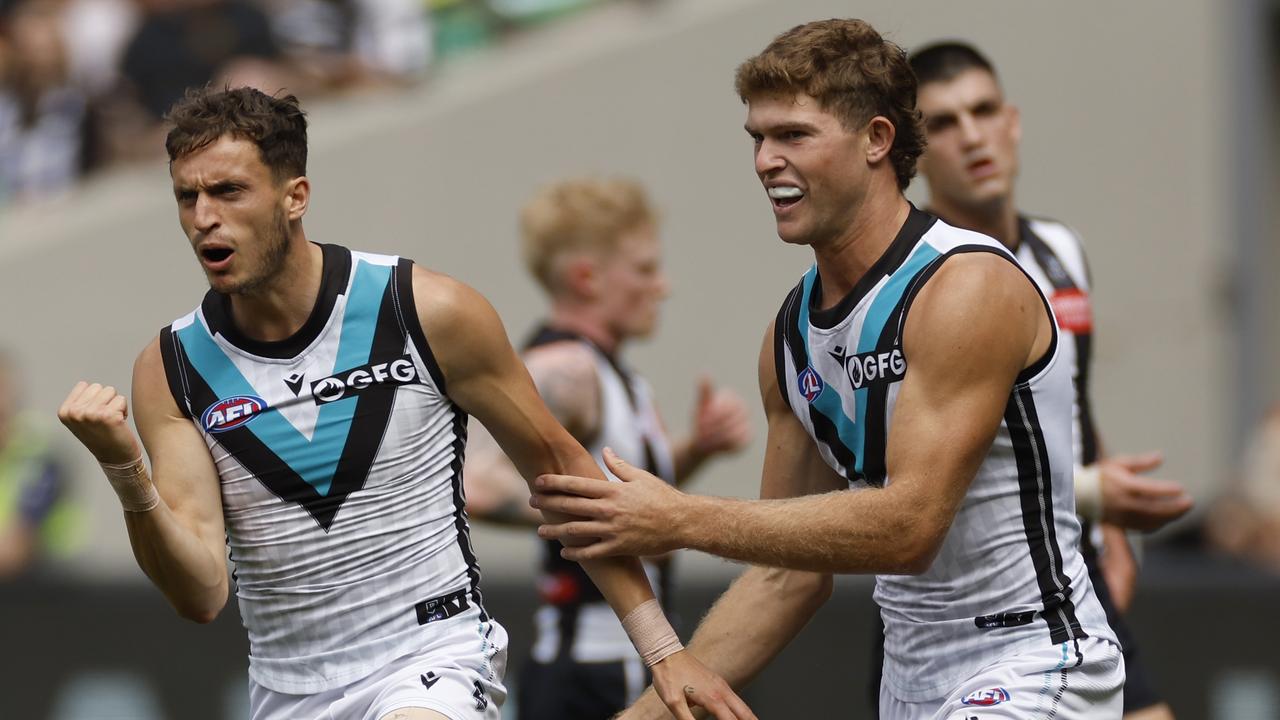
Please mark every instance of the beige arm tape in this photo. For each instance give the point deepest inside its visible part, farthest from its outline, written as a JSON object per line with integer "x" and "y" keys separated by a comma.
{"x": 650, "y": 632}
{"x": 133, "y": 485}
{"x": 1089, "y": 492}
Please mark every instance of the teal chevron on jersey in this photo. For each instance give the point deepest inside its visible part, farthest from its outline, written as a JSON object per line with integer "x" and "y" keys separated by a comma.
{"x": 314, "y": 460}
{"x": 878, "y": 315}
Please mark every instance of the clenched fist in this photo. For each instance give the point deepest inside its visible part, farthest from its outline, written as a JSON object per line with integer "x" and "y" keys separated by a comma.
{"x": 99, "y": 418}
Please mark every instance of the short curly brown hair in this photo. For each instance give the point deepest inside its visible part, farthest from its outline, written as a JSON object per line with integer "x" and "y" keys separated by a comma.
{"x": 276, "y": 125}
{"x": 853, "y": 73}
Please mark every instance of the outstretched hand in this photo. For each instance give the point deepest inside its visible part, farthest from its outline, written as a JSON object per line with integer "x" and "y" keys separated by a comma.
{"x": 638, "y": 516}
{"x": 683, "y": 682}
{"x": 721, "y": 422}
{"x": 1140, "y": 503}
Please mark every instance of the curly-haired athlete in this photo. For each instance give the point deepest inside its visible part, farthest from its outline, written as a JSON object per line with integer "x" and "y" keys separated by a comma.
{"x": 915, "y": 396}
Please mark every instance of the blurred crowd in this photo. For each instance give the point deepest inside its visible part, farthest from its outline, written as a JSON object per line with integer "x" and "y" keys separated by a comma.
{"x": 84, "y": 84}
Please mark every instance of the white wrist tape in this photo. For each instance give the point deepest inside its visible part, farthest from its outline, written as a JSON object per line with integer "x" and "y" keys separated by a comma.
{"x": 132, "y": 485}
{"x": 650, "y": 632}
{"x": 1089, "y": 492}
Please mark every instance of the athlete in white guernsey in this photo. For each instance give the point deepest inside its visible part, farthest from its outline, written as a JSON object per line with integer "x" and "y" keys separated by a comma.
{"x": 593, "y": 246}
{"x": 311, "y": 416}
{"x": 914, "y": 388}
{"x": 971, "y": 167}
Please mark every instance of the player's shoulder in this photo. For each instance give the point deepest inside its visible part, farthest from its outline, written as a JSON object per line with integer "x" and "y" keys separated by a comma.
{"x": 566, "y": 357}
{"x": 1056, "y": 233}
{"x": 950, "y": 239}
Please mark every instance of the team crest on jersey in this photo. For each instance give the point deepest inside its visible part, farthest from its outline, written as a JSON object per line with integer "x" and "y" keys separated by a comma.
{"x": 230, "y": 413}
{"x": 870, "y": 367}
{"x": 810, "y": 384}
{"x": 986, "y": 697}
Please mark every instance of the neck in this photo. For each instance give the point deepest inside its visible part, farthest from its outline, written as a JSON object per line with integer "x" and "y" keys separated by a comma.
{"x": 580, "y": 320}
{"x": 844, "y": 262}
{"x": 281, "y": 306}
{"x": 997, "y": 219}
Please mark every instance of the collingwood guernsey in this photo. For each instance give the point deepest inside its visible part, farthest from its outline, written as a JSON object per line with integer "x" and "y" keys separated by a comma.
{"x": 339, "y": 456}
{"x": 1009, "y": 576}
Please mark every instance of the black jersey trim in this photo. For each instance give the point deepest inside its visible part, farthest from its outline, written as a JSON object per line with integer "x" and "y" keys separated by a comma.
{"x": 408, "y": 311}
{"x": 335, "y": 275}
{"x": 916, "y": 225}
{"x": 175, "y": 372}
{"x": 780, "y": 345}
{"x": 1035, "y": 493}
{"x": 460, "y": 508}
{"x": 1061, "y": 280}
{"x": 824, "y": 430}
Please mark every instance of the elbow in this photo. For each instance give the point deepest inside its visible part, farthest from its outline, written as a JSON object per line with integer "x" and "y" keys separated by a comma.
{"x": 917, "y": 553}
{"x": 201, "y": 610}
{"x": 810, "y": 589}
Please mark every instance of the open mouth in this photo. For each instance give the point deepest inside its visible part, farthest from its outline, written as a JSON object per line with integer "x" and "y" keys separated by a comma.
{"x": 785, "y": 196}
{"x": 982, "y": 168}
{"x": 216, "y": 257}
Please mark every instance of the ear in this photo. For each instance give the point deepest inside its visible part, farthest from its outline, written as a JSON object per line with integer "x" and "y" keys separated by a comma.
{"x": 297, "y": 197}
{"x": 1015, "y": 123}
{"x": 580, "y": 276}
{"x": 880, "y": 135}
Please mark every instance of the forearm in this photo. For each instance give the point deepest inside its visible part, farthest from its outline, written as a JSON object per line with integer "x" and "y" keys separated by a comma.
{"x": 192, "y": 577}
{"x": 864, "y": 531}
{"x": 688, "y": 460}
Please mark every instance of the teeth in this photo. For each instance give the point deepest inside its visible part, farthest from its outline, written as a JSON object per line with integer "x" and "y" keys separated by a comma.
{"x": 781, "y": 193}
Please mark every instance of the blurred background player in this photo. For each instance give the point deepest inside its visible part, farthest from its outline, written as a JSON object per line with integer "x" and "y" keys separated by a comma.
{"x": 38, "y": 518}
{"x": 970, "y": 165}
{"x": 593, "y": 247}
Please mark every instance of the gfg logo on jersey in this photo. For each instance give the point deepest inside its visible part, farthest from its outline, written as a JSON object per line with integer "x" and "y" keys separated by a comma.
{"x": 231, "y": 413}
{"x": 349, "y": 383}
{"x": 867, "y": 368}
{"x": 987, "y": 697}
{"x": 810, "y": 384}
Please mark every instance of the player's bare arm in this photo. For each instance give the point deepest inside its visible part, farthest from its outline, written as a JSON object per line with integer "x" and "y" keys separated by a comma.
{"x": 180, "y": 543}
{"x": 565, "y": 376}
{"x": 728, "y": 639}
{"x": 972, "y": 329}
{"x": 486, "y": 378}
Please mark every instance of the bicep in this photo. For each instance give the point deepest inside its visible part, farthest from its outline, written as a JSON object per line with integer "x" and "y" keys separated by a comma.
{"x": 566, "y": 379}
{"x": 965, "y": 342}
{"x": 181, "y": 466}
{"x": 484, "y": 376}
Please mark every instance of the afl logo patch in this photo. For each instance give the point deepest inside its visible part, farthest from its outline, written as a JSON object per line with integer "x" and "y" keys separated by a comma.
{"x": 810, "y": 384}
{"x": 987, "y": 697}
{"x": 231, "y": 413}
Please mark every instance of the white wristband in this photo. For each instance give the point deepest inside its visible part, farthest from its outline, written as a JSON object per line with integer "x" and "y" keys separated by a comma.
{"x": 650, "y": 632}
{"x": 1089, "y": 492}
{"x": 132, "y": 485}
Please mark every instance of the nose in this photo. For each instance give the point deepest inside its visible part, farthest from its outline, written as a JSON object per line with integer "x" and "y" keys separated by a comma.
{"x": 970, "y": 133}
{"x": 768, "y": 159}
{"x": 205, "y": 216}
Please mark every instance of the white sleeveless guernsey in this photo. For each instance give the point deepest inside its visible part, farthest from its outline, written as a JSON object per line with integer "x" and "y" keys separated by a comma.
{"x": 1009, "y": 575}
{"x": 339, "y": 456}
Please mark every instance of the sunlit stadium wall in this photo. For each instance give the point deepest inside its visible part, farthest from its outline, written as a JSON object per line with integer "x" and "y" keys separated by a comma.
{"x": 1124, "y": 138}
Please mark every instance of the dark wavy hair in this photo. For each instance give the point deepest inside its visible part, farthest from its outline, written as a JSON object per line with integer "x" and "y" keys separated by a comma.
{"x": 853, "y": 73}
{"x": 276, "y": 125}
